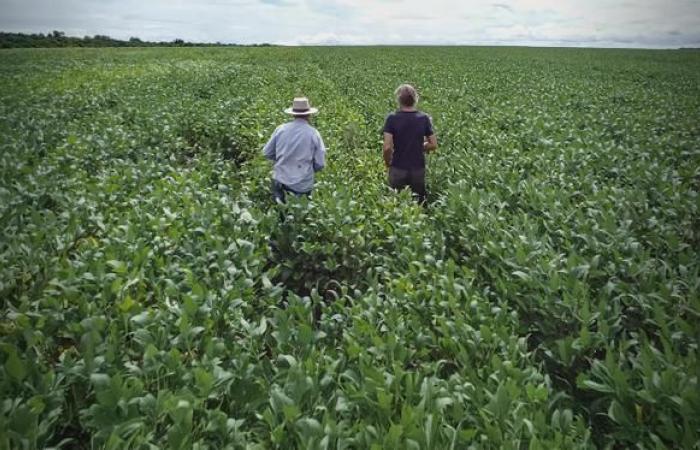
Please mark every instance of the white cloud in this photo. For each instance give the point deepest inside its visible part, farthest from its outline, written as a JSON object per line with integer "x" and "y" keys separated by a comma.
{"x": 638, "y": 23}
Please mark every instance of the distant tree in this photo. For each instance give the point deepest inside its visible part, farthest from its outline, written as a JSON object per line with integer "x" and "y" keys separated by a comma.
{"x": 59, "y": 39}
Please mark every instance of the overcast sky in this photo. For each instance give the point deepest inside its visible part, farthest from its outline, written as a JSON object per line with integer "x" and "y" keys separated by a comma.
{"x": 599, "y": 23}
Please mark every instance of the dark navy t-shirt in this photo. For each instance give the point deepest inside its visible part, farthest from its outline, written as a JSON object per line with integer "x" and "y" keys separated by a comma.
{"x": 409, "y": 129}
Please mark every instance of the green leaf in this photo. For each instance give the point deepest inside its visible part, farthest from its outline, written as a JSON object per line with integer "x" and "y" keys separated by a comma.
{"x": 278, "y": 399}
{"x": 204, "y": 380}
{"x": 467, "y": 434}
{"x": 617, "y": 413}
{"x": 310, "y": 426}
{"x": 342, "y": 404}
{"x": 522, "y": 275}
{"x": 126, "y": 304}
{"x": 291, "y": 412}
{"x": 118, "y": 267}
{"x": 589, "y": 384}
{"x": 15, "y": 367}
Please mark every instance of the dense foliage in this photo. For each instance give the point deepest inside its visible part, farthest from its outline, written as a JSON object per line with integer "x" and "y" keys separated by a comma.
{"x": 546, "y": 298}
{"x": 59, "y": 39}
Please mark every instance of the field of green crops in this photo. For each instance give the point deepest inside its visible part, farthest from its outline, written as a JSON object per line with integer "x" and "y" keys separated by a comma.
{"x": 547, "y": 298}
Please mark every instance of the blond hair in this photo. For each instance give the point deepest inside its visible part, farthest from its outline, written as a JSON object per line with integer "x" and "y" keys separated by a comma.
{"x": 406, "y": 95}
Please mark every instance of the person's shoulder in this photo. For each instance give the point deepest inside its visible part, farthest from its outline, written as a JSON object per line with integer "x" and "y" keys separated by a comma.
{"x": 281, "y": 127}
{"x": 392, "y": 115}
{"x": 421, "y": 115}
{"x": 311, "y": 129}
{"x": 426, "y": 117}
{"x": 391, "y": 118}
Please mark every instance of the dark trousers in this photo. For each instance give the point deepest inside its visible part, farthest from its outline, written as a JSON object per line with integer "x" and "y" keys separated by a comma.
{"x": 412, "y": 178}
{"x": 279, "y": 192}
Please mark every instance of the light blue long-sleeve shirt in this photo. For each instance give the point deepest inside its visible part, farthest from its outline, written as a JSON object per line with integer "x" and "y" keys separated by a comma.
{"x": 298, "y": 152}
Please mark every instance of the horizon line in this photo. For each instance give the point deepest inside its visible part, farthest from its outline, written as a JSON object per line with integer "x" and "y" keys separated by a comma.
{"x": 606, "y": 45}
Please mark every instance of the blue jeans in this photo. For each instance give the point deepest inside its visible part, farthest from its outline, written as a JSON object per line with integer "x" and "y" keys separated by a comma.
{"x": 279, "y": 192}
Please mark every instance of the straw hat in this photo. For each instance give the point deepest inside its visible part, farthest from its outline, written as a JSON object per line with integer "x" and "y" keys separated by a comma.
{"x": 301, "y": 107}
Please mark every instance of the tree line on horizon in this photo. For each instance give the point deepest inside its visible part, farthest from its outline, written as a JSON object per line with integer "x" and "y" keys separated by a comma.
{"x": 59, "y": 39}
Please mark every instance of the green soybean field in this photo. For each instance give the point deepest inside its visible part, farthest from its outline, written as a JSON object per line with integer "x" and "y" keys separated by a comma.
{"x": 547, "y": 297}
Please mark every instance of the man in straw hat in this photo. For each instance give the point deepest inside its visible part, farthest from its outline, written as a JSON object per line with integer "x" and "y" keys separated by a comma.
{"x": 408, "y": 135}
{"x": 297, "y": 150}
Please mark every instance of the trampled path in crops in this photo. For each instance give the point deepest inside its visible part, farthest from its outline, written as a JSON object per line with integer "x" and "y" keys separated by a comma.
{"x": 547, "y": 297}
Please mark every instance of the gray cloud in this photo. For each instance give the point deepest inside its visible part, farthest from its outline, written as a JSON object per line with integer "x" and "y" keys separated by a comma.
{"x": 502, "y": 6}
{"x": 642, "y": 23}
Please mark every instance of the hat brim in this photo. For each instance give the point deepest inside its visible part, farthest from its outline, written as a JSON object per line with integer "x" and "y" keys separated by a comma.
{"x": 308, "y": 112}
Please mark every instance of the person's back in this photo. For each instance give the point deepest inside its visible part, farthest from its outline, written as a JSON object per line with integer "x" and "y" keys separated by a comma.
{"x": 408, "y": 135}
{"x": 297, "y": 142}
{"x": 297, "y": 151}
{"x": 409, "y": 129}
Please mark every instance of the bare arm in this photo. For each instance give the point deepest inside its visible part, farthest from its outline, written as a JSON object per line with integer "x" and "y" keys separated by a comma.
{"x": 430, "y": 144}
{"x": 388, "y": 148}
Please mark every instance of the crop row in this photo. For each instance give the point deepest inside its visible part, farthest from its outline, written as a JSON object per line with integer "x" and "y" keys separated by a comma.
{"x": 546, "y": 298}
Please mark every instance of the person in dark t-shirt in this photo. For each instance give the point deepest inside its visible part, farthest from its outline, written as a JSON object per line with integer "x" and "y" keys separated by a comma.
{"x": 408, "y": 135}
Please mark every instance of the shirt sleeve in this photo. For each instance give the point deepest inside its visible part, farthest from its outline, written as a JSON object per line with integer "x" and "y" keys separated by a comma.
{"x": 389, "y": 125}
{"x": 270, "y": 149}
{"x": 428, "y": 126}
{"x": 319, "y": 153}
